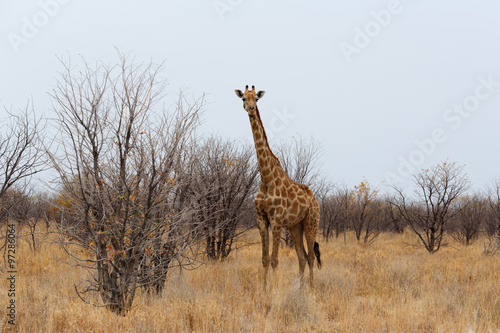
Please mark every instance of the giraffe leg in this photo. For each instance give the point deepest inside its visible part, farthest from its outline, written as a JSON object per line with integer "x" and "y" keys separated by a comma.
{"x": 311, "y": 229}
{"x": 297, "y": 233}
{"x": 310, "y": 257}
{"x": 276, "y": 244}
{"x": 264, "y": 235}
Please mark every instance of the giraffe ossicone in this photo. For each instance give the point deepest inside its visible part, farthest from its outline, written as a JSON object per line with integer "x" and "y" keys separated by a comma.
{"x": 280, "y": 201}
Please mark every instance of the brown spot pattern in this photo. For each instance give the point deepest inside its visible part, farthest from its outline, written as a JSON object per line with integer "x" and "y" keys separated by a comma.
{"x": 281, "y": 202}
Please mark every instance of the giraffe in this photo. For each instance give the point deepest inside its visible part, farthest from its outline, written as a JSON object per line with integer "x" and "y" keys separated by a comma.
{"x": 280, "y": 201}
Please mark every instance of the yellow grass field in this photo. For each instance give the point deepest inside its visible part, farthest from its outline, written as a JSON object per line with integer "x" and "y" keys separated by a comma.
{"x": 393, "y": 285}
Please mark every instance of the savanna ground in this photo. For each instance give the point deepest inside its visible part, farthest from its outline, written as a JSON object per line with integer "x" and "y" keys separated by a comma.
{"x": 393, "y": 285}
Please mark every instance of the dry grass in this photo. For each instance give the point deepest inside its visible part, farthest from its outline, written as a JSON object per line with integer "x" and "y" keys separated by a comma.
{"x": 390, "y": 286}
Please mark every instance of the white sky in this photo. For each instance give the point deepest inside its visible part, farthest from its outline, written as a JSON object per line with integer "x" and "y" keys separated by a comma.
{"x": 420, "y": 59}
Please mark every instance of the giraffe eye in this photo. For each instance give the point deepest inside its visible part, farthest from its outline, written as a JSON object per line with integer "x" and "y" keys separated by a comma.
{"x": 244, "y": 99}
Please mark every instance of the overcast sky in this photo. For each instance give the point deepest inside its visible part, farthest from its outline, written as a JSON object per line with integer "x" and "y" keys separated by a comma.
{"x": 387, "y": 87}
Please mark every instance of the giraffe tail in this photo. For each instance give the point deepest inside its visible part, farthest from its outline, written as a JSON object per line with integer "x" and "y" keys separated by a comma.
{"x": 317, "y": 254}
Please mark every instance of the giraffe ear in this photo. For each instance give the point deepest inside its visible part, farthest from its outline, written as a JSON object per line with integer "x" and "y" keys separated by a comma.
{"x": 260, "y": 94}
{"x": 239, "y": 93}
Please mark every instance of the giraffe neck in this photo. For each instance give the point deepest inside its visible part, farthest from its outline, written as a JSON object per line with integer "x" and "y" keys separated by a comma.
{"x": 268, "y": 162}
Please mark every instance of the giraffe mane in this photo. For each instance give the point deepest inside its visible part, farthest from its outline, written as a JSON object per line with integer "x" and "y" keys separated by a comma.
{"x": 265, "y": 137}
{"x": 276, "y": 159}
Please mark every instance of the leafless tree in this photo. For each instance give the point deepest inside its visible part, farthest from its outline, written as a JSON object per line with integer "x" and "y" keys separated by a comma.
{"x": 430, "y": 210}
{"x": 493, "y": 198}
{"x": 392, "y": 215}
{"x": 11, "y": 200}
{"x": 224, "y": 179}
{"x": 471, "y": 217}
{"x": 21, "y": 154}
{"x": 365, "y": 208}
{"x": 28, "y": 208}
{"x": 492, "y": 223}
{"x": 117, "y": 159}
{"x": 300, "y": 159}
{"x": 335, "y": 212}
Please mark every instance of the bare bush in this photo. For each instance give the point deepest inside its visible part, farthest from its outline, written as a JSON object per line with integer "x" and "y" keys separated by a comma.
{"x": 224, "y": 178}
{"x": 471, "y": 217}
{"x": 29, "y": 209}
{"x": 430, "y": 210}
{"x": 300, "y": 159}
{"x": 117, "y": 163}
{"x": 365, "y": 210}
{"x": 395, "y": 221}
{"x": 21, "y": 155}
{"x": 335, "y": 213}
{"x": 493, "y": 198}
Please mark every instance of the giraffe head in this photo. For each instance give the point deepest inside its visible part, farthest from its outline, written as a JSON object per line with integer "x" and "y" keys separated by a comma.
{"x": 250, "y": 98}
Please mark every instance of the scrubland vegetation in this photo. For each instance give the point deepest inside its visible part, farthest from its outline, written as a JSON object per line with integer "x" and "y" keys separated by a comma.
{"x": 149, "y": 227}
{"x": 393, "y": 285}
